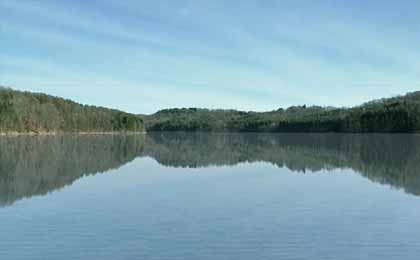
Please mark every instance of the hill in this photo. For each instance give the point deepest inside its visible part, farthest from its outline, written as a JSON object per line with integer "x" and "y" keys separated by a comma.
{"x": 25, "y": 112}
{"x": 397, "y": 114}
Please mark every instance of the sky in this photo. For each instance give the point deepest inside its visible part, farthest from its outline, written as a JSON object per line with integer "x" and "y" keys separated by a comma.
{"x": 142, "y": 56}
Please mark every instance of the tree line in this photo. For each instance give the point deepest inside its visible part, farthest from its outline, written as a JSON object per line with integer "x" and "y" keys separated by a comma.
{"x": 397, "y": 114}
{"x": 34, "y": 112}
{"x": 37, "y": 113}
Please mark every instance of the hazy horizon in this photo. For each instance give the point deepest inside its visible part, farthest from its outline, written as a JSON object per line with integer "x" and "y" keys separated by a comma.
{"x": 141, "y": 57}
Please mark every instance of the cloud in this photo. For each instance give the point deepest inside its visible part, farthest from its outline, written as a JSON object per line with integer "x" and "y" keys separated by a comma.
{"x": 206, "y": 53}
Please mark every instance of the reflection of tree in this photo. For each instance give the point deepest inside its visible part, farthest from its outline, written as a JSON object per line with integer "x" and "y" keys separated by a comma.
{"x": 37, "y": 165}
{"x": 387, "y": 159}
{"x": 31, "y": 166}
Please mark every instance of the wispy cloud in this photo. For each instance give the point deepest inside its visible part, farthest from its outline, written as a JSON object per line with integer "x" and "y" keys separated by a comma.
{"x": 256, "y": 55}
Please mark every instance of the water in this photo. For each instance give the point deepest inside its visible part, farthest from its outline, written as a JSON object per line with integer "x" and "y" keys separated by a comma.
{"x": 210, "y": 196}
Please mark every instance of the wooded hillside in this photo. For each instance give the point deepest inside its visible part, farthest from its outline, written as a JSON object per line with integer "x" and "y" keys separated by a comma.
{"x": 26, "y": 112}
{"x": 398, "y": 114}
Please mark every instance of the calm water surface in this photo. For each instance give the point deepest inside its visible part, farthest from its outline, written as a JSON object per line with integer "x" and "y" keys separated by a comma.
{"x": 210, "y": 196}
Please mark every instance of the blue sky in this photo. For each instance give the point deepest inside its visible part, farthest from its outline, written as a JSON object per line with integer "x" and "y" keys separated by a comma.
{"x": 141, "y": 56}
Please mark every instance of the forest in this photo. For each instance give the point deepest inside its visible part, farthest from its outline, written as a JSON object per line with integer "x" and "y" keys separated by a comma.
{"x": 392, "y": 115}
{"x": 25, "y": 112}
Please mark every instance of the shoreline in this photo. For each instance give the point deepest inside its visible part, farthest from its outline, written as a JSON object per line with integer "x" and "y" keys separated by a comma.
{"x": 67, "y": 133}
{"x": 5, "y": 134}
{"x": 268, "y": 132}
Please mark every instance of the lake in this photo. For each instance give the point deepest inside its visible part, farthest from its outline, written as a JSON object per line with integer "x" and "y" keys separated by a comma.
{"x": 210, "y": 196}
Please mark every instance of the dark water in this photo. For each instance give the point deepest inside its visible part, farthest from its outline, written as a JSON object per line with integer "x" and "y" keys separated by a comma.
{"x": 210, "y": 196}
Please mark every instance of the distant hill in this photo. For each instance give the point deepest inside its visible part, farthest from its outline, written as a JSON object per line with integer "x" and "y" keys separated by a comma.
{"x": 25, "y": 112}
{"x": 397, "y": 114}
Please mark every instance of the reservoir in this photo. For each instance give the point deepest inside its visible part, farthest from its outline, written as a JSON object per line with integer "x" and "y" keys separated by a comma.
{"x": 210, "y": 196}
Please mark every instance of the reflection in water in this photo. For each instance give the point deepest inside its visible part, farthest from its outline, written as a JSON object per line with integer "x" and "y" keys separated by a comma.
{"x": 383, "y": 158}
{"x": 32, "y": 166}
